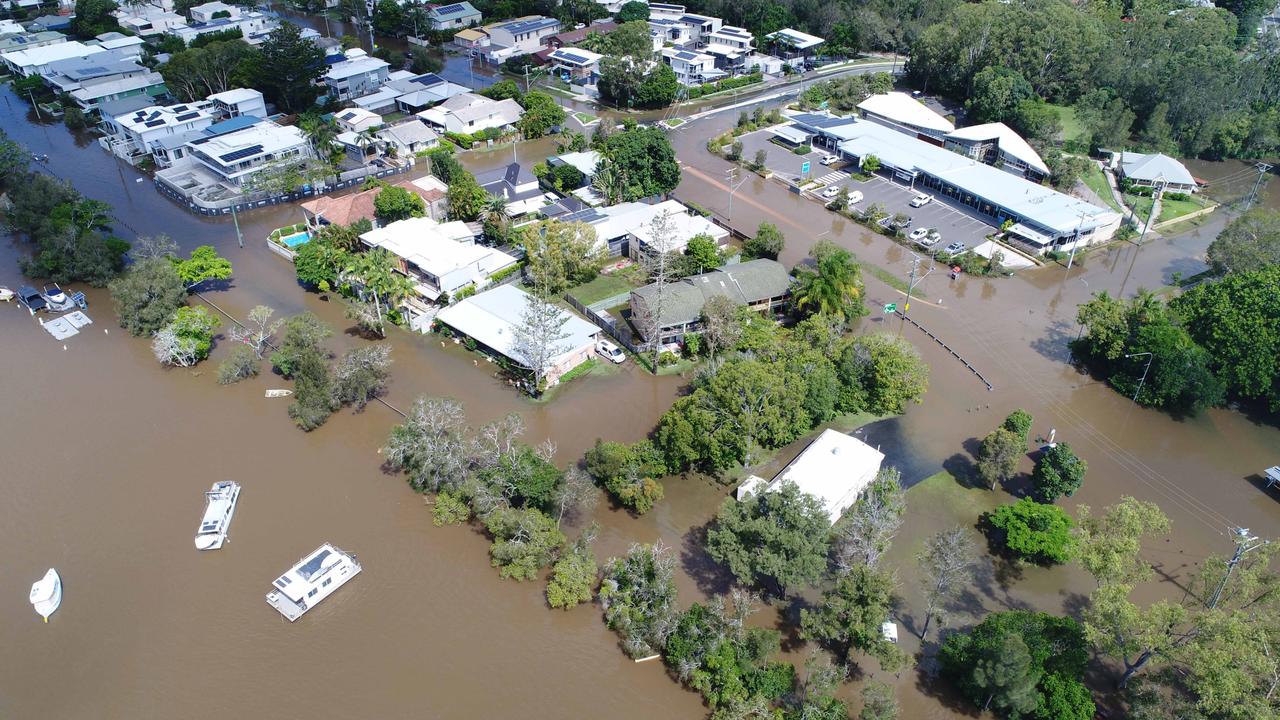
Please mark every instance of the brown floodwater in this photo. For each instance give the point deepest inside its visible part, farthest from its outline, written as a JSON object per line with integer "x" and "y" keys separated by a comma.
{"x": 106, "y": 455}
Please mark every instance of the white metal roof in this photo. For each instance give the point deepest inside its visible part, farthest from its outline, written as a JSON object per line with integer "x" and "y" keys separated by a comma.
{"x": 1156, "y": 166}
{"x": 902, "y": 108}
{"x": 576, "y": 57}
{"x": 1039, "y": 204}
{"x": 491, "y": 318}
{"x": 236, "y": 96}
{"x": 795, "y": 38}
{"x": 351, "y": 68}
{"x": 585, "y": 161}
{"x": 834, "y": 468}
{"x": 1009, "y": 141}
{"x": 46, "y": 54}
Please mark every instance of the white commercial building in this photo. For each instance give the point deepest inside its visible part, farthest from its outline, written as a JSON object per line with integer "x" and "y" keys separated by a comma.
{"x": 440, "y": 258}
{"x": 1044, "y": 219}
{"x": 491, "y": 318}
{"x": 835, "y": 468}
{"x": 905, "y": 114}
{"x": 997, "y": 144}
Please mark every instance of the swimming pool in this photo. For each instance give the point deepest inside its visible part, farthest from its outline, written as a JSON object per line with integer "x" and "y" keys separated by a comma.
{"x": 293, "y": 241}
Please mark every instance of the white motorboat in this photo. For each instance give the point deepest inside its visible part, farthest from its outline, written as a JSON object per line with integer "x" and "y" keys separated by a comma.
{"x": 46, "y": 594}
{"x": 5, "y": 294}
{"x": 220, "y": 505}
{"x": 313, "y": 579}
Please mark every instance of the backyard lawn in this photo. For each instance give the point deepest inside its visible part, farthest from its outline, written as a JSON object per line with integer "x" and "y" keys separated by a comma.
{"x": 1141, "y": 206}
{"x": 606, "y": 286}
{"x": 1171, "y": 209}
{"x": 1072, "y": 128}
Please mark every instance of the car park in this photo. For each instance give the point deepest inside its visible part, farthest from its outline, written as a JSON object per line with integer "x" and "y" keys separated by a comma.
{"x": 610, "y": 352}
{"x": 829, "y": 159}
{"x": 921, "y": 200}
{"x": 954, "y": 248}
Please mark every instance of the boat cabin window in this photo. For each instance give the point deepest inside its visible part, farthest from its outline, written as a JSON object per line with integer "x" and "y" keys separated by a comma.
{"x": 313, "y": 592}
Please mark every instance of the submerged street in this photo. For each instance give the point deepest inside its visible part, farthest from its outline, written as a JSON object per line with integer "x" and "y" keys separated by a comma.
{"x": 107, "y": 455}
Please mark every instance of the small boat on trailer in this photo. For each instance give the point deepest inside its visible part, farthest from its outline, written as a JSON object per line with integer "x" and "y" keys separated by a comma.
{"x": 314, "y": 578}
{"x": 220, "y": 506}
{"x": 46, "y": 594}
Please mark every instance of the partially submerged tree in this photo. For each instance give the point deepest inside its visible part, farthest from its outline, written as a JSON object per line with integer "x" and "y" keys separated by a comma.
{"x": 148, "y": 295}
{"x": 999, "y": 455}
{"x": 257, "y": 333}
{"x": 187, "y": 338}
{"x": 362, "y": 374}
{"x": 1059, "y": 471}
{"x": 1109, "y": 545}
{"x": 430, "y": 446}
{"x": 865, "y": 531}
{"x": 575, "y": 575}
{"x": 776, "y": 536}
{"x": 638, "y": 594}
{"x": 947, "y": 563}
{"x": 851, "y": 614}
{"x": 539, "y": 338}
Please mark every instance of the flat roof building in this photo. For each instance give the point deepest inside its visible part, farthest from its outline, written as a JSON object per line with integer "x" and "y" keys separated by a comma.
{"x": 237, "y": 150}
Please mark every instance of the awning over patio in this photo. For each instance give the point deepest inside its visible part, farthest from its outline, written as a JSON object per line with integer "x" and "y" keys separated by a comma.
{"x": 1030, "y": 235}
{"x": 792, "y": 134}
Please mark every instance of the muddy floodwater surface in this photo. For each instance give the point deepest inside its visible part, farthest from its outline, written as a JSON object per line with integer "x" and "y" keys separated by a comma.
{"x": 106, "y": 454}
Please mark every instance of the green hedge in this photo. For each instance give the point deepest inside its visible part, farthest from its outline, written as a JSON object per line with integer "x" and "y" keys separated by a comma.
{"x": 727, "y": 84}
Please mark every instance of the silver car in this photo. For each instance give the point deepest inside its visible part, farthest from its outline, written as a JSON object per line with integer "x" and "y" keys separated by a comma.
{"x": 954, "y": 248}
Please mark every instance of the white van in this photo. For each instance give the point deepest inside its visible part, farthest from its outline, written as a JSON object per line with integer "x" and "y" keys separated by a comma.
{"x": 855, "y": 197}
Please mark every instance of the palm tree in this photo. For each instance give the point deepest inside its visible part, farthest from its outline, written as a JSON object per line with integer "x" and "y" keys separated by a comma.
{"x": 320, "y": 133}
{"x": 366, "y": 138}
{"x": 495, "y": 218}
{"x": 376, "y": 272}
{"x": 832, "y": 285}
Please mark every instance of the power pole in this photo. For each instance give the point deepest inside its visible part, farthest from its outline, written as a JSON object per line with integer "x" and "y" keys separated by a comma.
{"x": 236, "y": 220}
{"x": 911, "y": 285}
{"x": 1075, "y": 245}
{"x": 1244, "y": 543}
{"x": 1263, "y": 168}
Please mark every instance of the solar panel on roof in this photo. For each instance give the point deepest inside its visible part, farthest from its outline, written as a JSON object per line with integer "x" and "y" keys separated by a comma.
{"x": 428, "y": 79}
{"x": 154, "y": 123}
{"x": 180, "y": 108}
{"x": 188, "y": 116}
{"x": 572, "y": 58}
{"x": 241, "y": 153}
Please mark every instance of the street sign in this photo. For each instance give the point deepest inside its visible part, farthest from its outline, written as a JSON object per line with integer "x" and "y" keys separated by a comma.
{"x": 890, "y": 308}
{"x": 804, "y": 168}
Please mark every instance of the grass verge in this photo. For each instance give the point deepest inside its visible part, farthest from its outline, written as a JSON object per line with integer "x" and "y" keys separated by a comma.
{"x": 1097, "y": 182}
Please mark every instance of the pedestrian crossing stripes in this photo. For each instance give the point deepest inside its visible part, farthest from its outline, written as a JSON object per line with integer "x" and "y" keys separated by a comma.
{"x": 833, "y": 177}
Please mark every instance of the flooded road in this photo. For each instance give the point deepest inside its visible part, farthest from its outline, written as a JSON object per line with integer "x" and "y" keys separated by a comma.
{"x": 106, "y": 455}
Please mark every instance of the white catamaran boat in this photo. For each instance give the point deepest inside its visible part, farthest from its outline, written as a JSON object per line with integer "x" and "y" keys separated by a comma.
{"x": 220, "y": 505}
{"x": 46, "y": 594}
{"x": 313, "y": 579}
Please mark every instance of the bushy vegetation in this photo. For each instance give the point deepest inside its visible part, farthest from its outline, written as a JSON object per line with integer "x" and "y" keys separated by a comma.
{"x": 1033, "y": 531}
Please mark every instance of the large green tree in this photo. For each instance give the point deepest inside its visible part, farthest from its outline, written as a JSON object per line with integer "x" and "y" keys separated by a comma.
{"x": 850, "y": 616}
{"x": 541, "y": 113}
{"x": 1249, "y": 242}
{"x": 1033, "y": 531}
{"x": 776, "y": 537}
{"x": 887, "y": 371}
{"x": 831, "y": 285}
{"x": 394, "y": 203}
{"x": 641, "y": 163}
{"x": 285, "y": 68}
{"x": 148, "y": 295}
{"x": 1059, "y": 471}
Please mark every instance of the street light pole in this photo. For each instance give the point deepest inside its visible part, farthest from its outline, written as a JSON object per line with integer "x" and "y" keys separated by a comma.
{"x": 1155, "y": 193}
{"x": 729, "y": 177}
{"x": 236, "y": 220}
{"x": 911, "y": 285}
{"x": 1076, "y": 244}
{"x": 1150, "y": 357}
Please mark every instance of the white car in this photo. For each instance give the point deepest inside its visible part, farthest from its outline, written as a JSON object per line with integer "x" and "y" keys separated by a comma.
{"x": 831, "y": 191}
{"x": 610, "y": 352}
{"x": 829, "y": 159}
{"x": 919, "y": 234}
{"x": 921, "y": 200}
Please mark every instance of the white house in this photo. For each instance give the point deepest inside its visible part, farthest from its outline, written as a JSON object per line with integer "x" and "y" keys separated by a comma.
{"x": 691, "y": 67}
{"x": 238, "y": 101}
{"x": 139, "y": 132}
{"x": 147, "y": 19}
{"x": 356, "y": 76}
{"x": 36, "y": 61}
{"x": 626, "y": 228}
{"x": 441, "y": 258}
{"x": 1155, "y": 169}
{"x": 791, "y": 44}
{"x": 573, "y": 64}
{"x": 522, "y": 35}
{"x": 491, "y": 318}
{"x": 835, "y": 468}
{"x": 409, "y": 137}
{"x": 904, "y": 113}
{"x": 471, "y": 113}
{"x": 454, "y": 15}
{"x": 247, "y": 147}
{"x": 215, "y": 17}
{"x": 10, "y": 43}
{"x": 731, "y": 46}
{"x": 356, "y": 120}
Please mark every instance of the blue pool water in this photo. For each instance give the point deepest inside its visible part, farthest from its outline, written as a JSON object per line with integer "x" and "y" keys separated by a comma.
{"x": 294, "y": 241}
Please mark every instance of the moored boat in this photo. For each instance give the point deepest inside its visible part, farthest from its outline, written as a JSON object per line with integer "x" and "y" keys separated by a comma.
{"x": 314, "y": 578}
{"x": 220, "y": 506}
{"x": 5, "y": 294}
{"x": 46, "y": 594}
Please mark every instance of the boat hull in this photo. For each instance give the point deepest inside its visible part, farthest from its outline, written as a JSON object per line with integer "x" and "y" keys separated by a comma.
{"x": 46, "y": 594}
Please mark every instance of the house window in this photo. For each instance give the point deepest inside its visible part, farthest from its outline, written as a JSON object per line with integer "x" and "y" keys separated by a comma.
{"x": 313, "y": 592}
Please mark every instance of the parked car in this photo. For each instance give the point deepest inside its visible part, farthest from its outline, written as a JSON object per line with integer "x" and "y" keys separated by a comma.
{"x": 921, "y": 200}
{"x": 831, "y": 191}
{"x": 954, "y": 248}
{"x": 904, "y": 223}
{"x": 919, "y": 234}
{"x": 610, "y": 352}
{"x": 829, "y": 159}
{"x": 885, "y": 222}
{"x": 929, "y": 240}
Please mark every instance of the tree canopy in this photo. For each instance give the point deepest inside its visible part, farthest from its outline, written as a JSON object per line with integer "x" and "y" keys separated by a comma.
{"x": 775, "y": 537}
{"x": 637, "y": 164}
{"x": 1250, "y": 242}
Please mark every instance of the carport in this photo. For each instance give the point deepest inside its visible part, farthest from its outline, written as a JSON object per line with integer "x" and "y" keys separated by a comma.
{"x": 792, "y": 135}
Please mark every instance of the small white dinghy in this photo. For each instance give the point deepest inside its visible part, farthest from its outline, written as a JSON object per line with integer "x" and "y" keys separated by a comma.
{"x": 220, "y": 505}
{"x": 46, "y": 594}
{"x": 5, "y": 294}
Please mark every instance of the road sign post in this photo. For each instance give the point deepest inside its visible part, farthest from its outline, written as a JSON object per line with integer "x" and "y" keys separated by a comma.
{"x": 804, "y": 169}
